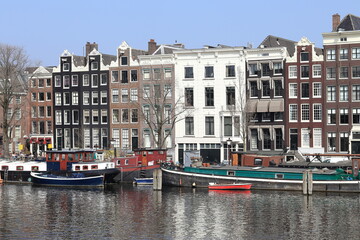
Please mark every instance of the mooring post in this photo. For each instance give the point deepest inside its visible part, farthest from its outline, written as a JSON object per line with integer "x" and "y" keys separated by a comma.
{"x": 305, "y": 185}
{"x": 310, "y": 182}
{"x": 157, "y": 177}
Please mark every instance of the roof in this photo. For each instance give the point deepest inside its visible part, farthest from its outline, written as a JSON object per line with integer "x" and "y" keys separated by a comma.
{"x": 273, "y": 41}
{"x": 349, "y": 23}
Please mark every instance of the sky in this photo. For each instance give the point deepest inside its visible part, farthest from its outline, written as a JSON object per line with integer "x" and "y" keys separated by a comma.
{"x": 45, "y": 28}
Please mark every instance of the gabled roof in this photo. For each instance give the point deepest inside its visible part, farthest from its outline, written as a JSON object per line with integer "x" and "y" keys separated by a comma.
{"x": 168, "y": 48}
{"x": 349, "y": 23}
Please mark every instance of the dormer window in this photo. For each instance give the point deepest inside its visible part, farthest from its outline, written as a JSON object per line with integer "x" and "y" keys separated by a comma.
{"x": 124, "y": 61}
{"x": 304, "y": 57}
{"x": 94, "y": 65}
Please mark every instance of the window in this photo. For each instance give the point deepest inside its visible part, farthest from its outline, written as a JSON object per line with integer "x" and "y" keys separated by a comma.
{"x": 293, "y": 112}
{"x": 189, "y": 126}
{"x": 18, "y": 113}
{"x": 330, "y": 73}
{"x": 95, "y": 135}
{"x": 133, "y": 74}
{"x": 331, "y": 93}
{"x": 317, "y": 133}
{"x": 230, "y": 96}
{"x": 146, "y": 74}
{"x": 356, "y": 93}
{"x": 125, "y": 138}
{"x": 75, "y": 98}
{"x": 189, "y": 72}
{"x": 146, "y": 109}
{"x": 189, "y": 97}
{"x": 94, "y": 80}
{"x": 104, "y": 116}
{"x": 75, "y": 116}
{"x": 330, "y": 55}
{"x": 209, "y": 96}
{"x": 66, "y": 80}
{"x": 356, "y": 72}
{"x": 167, "y": 72}
{"x": 230, "y": 71}
{"x": 344, "y": 116}
{"x": 86, "y": 81}
{"x": 209, "y": 72}
{"x": 115, "y": 95}
{"x": 95, "y": 116}
{"x": 209, "y": 125}
{"x": 134, "y": 115}
{"x": 168, "y": 114}
{"x": 253, "y": 89}
{"x": 316, "y": 71}
{"x": 344, "y": 93}
{"x": 57, "y": 81}
{"x": 114, "y": 76}
{"x": 48, "y": 111}
{"x": 67, "y": 117}
{"x": 278, "y": 88}
{"x": 86, "y": 114}
{"x": 267, "y": 139}
{"x": 167, "y": 91}
{"x": 316, "y": 90}
{"x": 266, "y": 117}
{"x": 278, "y": 68}
{"x": 344, "y": 54}
{"x": 253, "y": 70}
{"x": 344, "y": 72}
{"x": 133, "y": 94}
{"x": 157, "y": 73}
{"x": 86, "y": 98}
{"x": 317, "y": 108}
{"x": 356, "y": 115}
{"x": 278, "y": 138}
{"x": 331, "y": 143}
{"x": 265, "y": 88}
{"x": 292, "y": 90}
{"x": 74, "y": 80}
{"x": 344, "y": 142}
{"x": 33, "y": 97}
{"x": 304, "y": 71}
{"x": 94, "y": 65}
{"x": 265, "y": 69}
{"x": 66, "y": 66}
{"x": 115, "y": 116}
{"x": 33, "y": 112}
{"x": 48, "y": 82}
{"x": 58, "y": 117}
{"x": 278, "y": 116}
{"x": 124, "y": 95}
{"x": 57, "y": 99}
{"x": 305, "y": 137}
{"x": 305, "y": 112}
{"x": 33, "y": 82}
{"x": 95, "y": 98}
{"x": 304, "y": 56}
{"x": 227, "y": 126}
{"x": 103, "y": 79}
{"x": 253, "y": 139}
{"x": 157, "y": 91}
{"x": 41, "y": 83}
{"x": 356, "y": 53}
{"x": 124, "y": 61}
{"x": 305, "y": 91}
{"x": 147, "y": 141}
{"x": 48, "y": 96}
{"x": 331, "y": 116}
{"x": 66, "y": 98}
{"x": 103, "y": 95}
{"x": 292, "y": 71}
{"x": 124, "y": 115}
{"x": 41, "y": 96}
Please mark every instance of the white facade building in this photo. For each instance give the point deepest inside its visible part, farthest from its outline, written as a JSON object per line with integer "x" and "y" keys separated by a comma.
{"x": 210, "y": 83}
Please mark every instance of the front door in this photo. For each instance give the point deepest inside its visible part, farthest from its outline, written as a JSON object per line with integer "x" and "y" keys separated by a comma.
{"x": 63, "y": 162}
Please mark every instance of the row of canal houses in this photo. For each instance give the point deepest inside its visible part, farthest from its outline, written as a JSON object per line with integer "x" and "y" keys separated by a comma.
{"x": 283, "y": 97}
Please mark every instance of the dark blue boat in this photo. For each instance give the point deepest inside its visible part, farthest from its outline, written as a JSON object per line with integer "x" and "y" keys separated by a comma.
{"x": 74, "y": 180}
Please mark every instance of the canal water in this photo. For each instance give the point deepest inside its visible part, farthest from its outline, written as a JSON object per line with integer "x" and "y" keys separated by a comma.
{"x": 130, "y": 212}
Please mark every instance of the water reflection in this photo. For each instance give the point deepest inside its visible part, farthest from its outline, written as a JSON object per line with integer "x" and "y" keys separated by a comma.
{"x": 128, "y": 212}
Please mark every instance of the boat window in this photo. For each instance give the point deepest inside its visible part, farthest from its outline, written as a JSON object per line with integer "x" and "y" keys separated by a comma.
{"x": 258, "y": 161}
{"x": 71, "y": 157}
{"x": 94, "y": 167}
{"x": 4, "y": 168}
{"x": 77, "y": 167}
{"x": 19, "y": 168}
{"x": 231, "y": 173}
{"x": 118, "y": 162}
{"x": 57, "y": 157}
{"x": 76, "y": 156}
{"x": 85, "y": 167}
{"x": 279, "y": 175}
{"x": 49, "y": 156}
{"x": 126, "y": 161}
{"x": 63, "y": 157}
{"x": 161, "y": 152}
{"x": 34, "y": 168}
{"x": 144, "y": 153}
{"x": 150, "y": 152}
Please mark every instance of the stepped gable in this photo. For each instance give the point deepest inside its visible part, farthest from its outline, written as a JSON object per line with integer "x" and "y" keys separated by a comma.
{"x": 349, "y": 23}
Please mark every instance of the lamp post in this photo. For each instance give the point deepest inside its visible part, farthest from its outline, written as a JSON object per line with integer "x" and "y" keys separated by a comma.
{"x": 229, "y": 141}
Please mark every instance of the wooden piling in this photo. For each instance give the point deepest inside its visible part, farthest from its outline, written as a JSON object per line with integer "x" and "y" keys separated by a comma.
{"x": 305, "y": 185}
{"x": 307, "y": 182}
{"x": 157, "y": 179}
{"x": 310, "y": 182}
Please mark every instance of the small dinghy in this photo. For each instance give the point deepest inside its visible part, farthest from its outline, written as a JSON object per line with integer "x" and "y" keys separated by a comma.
{"x": 233, "y": 186}
{"x": 143, "y": 181}
{"x": 73, "y": 180}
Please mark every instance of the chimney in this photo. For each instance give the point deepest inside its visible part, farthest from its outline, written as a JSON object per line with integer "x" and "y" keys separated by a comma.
{"x": 335, "y": 22}
{"x": 151, "y": 46}
{"x": 89, "y": 47}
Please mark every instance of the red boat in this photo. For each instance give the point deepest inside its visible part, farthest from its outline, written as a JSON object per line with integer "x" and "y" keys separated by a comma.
{"x": 234, "y": 186}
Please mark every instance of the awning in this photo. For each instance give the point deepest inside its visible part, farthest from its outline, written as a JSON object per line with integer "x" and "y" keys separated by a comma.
{"x": 251, "y": 106}
{"x": 276, "y": 105}
{"x": 263, "y": 106}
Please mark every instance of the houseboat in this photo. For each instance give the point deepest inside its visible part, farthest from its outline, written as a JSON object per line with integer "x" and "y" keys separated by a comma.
{"x": 19, "y": 171}
{"x": 70, "y": 180}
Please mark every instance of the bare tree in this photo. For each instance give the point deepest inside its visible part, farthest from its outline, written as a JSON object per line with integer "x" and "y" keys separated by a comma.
{"x": 13, "y": 83}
